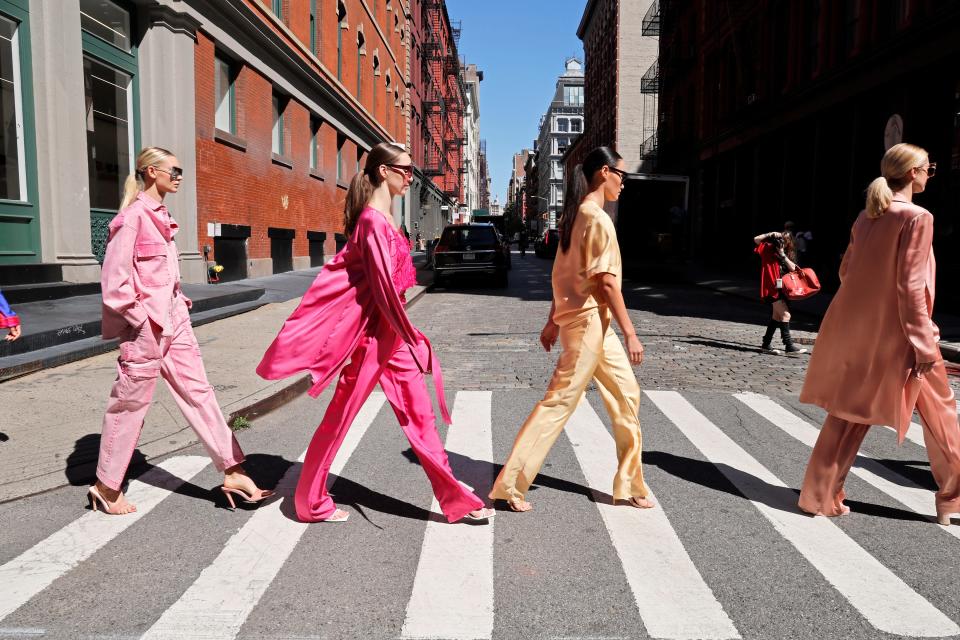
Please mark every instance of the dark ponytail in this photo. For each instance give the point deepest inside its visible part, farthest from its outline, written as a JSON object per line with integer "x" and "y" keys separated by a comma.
{"x": 363, "y": 184}
{"x": 578, "y": 185}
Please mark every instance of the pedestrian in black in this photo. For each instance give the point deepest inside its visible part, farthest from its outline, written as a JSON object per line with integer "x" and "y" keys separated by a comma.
{"x": 523, "y": 242}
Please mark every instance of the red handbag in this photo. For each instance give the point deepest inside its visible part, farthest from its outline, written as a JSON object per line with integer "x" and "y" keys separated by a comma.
{"x": 800, "y": 284}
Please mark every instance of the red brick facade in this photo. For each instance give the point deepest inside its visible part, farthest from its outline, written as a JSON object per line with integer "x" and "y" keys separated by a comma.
{"x": 240, "y": 180}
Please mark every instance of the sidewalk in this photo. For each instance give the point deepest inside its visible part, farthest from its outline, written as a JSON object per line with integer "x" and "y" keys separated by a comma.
{"x": 816, "y": 306}
{"x": 50, "y": 429}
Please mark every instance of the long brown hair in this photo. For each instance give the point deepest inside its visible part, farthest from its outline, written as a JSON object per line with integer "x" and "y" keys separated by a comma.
{"x": 363, "y": 184}
{"x": 578, "y": 185}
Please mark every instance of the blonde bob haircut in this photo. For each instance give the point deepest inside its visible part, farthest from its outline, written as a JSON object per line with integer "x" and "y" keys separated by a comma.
{"x": 896, "y": 164}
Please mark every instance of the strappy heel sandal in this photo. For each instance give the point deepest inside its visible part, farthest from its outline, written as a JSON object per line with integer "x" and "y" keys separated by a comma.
{"x": 248, "y": 498}
{"x": 96, "y": 499}
{"x": 481, "y": 514}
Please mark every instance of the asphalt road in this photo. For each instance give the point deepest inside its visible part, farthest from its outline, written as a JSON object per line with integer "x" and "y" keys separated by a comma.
{"x": 725, "y": 554}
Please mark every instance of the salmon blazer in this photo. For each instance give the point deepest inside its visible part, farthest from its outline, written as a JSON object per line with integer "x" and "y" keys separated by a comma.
{"x": 353, "y": 295}
{"x": 880, "y": 322}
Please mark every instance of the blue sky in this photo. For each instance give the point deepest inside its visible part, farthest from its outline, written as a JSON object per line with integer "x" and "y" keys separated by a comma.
{"x": 520, "y": 46}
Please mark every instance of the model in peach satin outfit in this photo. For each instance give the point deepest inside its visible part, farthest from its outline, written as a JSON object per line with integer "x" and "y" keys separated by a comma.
{"x": 352, "y": 321}
{"x": 876, "y": 357}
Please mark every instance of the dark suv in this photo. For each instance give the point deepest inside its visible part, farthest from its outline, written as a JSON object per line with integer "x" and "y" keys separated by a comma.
{"x": 471, "y": 248}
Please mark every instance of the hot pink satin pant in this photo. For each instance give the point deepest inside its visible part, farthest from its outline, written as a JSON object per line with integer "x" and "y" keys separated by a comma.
{"x": 146, "y": 355}
{"x": 840, "y": 440}
{"x": 406, "y": 390}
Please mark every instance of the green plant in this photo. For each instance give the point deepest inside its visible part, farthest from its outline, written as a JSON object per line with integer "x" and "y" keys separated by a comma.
{"x": 240, "y": 423}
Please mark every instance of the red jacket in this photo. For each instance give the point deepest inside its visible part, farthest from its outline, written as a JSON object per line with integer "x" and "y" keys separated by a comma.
{"x": 769, "y": 270}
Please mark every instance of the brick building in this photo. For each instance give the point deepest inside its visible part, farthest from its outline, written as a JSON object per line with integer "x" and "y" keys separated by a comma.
{"x": 270, "y": 106}
{"x": 782, "y": 110}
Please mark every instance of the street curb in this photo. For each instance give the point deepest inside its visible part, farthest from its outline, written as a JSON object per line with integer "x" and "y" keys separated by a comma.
{"x": 85, "y": 471}
{"x": 949, "y": 350}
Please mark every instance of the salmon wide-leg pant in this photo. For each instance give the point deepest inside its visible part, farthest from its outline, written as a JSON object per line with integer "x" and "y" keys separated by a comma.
{"x": 386, "y": 360}
{"x": 146, "y": 355}
{"x": 840, "y": 440}
{"x": 590, "y": 349}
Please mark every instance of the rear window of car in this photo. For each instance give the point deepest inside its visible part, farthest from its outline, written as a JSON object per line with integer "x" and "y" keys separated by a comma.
{"x": 457, "y": 239}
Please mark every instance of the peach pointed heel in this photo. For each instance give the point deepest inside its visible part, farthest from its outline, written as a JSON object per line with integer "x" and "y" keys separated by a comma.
{"x": 248, "y": 498}
{"x": 96, "y": 499}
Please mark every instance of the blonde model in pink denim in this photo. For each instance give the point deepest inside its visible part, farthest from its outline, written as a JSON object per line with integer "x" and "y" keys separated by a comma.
{"x": 144, "y": 307}
{"x": 355, "y": 311}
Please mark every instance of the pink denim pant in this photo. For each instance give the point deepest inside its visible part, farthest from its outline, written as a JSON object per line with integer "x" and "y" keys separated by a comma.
{"x": 145, "y": 355}
{"x": 406, "y": 390}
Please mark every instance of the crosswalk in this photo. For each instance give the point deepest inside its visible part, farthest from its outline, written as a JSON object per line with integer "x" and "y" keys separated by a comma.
{"x": 674, "y": 591}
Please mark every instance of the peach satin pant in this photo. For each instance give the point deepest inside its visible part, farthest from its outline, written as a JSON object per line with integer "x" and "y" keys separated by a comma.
{"x": 590, "y": 350}
{"x": 840, "y": 440}
{"x": 146, "y": 355}
{"x": 386, "y": 360}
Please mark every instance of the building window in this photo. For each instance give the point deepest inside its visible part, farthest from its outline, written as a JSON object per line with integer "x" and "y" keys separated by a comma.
{"x": 812, "y": 8}
{"x": 563, "y": 125}
{"x": 314, "y": 33}
{"x": 314, "y": 144}
{"x": 226, "y": 114}
{"x": 388, "y": 110}
{"x": 573, "y": 96}
{"x": 107, "y": 21}
{"x": 279, "y": 106}
{"x": 361, "y": 51}
{"x": 277, "y": 6}
{"x": 341, "y": 25}
{"x": 576, "y": 125}
{"x": 341, "y": 140}
{"x": 359, "y": 158}
{"x": 376, "y": 73}
{"x": 13, "y": 175}
{"x": 851, "y": 26}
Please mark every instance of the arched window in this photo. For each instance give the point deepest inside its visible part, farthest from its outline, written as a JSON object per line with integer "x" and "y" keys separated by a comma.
{"x": 388, "y": 110}
{"x": 341, "y": 25}
{"x": 376, "y": 74}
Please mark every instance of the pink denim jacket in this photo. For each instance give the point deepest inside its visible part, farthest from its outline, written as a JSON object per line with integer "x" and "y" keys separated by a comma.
{"x": 355, "y": 294}
{"x": 140, "y": 277}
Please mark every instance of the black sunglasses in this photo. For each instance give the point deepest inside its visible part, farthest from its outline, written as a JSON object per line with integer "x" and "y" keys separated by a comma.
{"x": 175, "y": 173}
{"x": 405, "y": 169}
{"x": 931, "y": 169}
{"x": 620, "y": 172}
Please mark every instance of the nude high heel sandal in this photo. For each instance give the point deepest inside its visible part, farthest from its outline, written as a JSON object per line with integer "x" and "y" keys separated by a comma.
{"x": 255, "y": 498}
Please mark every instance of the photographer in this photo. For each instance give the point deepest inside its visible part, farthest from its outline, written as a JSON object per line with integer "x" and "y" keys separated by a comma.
{"x": 777, "y": 252}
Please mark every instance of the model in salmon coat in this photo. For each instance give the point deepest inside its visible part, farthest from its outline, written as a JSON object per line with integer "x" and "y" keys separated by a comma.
{"x": 354, "y": 311}
{"x": 876, "y": 356}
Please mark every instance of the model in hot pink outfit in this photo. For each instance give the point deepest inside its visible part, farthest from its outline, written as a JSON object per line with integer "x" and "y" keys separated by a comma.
{"x": 144, "y": 307}
{"x": 876, "y": 357}
{"x": 354, "y": 311}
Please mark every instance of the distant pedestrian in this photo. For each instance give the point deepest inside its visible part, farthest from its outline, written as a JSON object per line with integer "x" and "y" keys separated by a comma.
{"x": 587, "y": 275}
{"x": 352, "y": 321}
{"x": 777, "y": 255}
{"x": 9, "y": 320}
{"x": 877, "y": 357}
{"x": 144, "y": 306}
{"x": 523, "y": 242}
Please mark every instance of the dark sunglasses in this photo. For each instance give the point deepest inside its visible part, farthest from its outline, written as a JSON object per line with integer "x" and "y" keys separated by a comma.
{"x": 175, "y": 173}
{"x": 620, "y": 172}
{"x": 931, "y": 169}
{"x": 405, "y": 169}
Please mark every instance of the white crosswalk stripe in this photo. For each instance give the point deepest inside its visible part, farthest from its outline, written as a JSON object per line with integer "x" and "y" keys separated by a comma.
{"x": 453, "y": 588}
{"x": 34, "y": 570}
{"x": 885, "y": 600}
{"x": 217, "y": 604}
{"x": 678, "y": 604}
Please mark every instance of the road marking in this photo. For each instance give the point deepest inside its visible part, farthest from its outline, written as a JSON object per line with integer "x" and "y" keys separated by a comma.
{"x": 219, "y": 601}
{"x": 36, "y": 568}
{"x": 898, "y": 487}
{"x": 677, "y": 603}
{"x": 453, "y": 588}
{"x": 887, "y": 602}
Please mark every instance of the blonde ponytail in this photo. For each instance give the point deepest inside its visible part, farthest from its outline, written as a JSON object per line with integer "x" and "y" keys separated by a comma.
{"x": 134, "y": 184}
{"x": 879, "y": 197}
{"x": 363, "y": 184}
{"x": 894, "y": 169}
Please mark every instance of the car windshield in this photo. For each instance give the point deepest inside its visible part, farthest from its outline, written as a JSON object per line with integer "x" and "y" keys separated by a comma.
{"x": 459, "y": 238}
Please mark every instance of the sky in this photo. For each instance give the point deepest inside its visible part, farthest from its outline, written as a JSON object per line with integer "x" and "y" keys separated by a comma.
{"x": 520, "y": 45}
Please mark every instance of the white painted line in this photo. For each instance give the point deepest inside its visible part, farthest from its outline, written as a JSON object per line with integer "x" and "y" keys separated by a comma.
{"x": 219, "y": 601}
{"x": 36, "y": 568}
{"x": 903, "y": 490}
{"x": 886, "y": 601}
{"x": 453, "y": 588}
{"x": 676, "y": 603}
